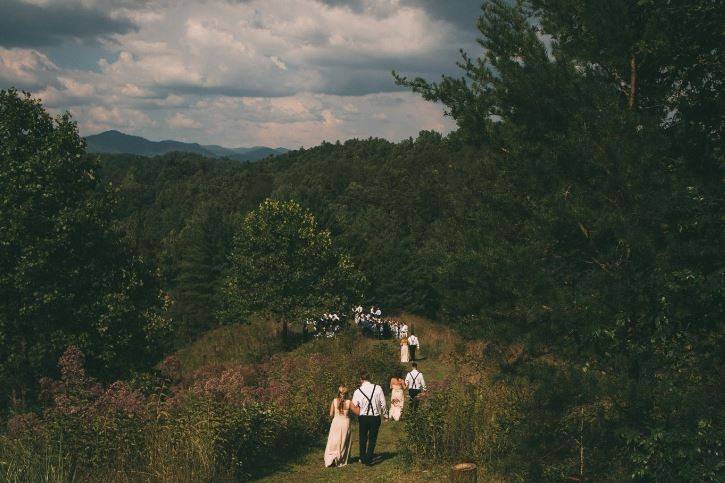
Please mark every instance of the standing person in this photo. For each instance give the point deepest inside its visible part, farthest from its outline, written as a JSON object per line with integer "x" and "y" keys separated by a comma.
{"x": 368, "y": 402}
{"x": 404, "y": 354}
{"x": 338, "y": 439}
{"x": 397, "y": 396}
{"x": 416, "y": 383}
{"x": 413, "y": 343}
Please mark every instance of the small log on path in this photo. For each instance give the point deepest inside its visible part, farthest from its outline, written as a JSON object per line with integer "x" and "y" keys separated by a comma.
{"x": 464, "y": 472}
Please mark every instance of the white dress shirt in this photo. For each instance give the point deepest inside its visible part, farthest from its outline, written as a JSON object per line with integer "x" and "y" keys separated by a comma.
{"x": 413, "y": 340}
{"x": 414, "y": 379}
{"x": 375, "y": 394}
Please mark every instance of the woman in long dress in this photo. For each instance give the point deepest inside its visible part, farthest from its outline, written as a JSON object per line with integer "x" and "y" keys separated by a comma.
{"x": 337, "y": 450}
{"x": 397, "y": 397}
{"x": 404, "y": 355}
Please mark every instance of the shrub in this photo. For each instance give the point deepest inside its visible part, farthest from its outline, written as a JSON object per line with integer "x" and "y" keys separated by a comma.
{"x": 223, "y": 421}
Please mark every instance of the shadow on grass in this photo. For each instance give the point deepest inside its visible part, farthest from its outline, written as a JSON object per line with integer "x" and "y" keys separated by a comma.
{"x": 284, "y": 462}
{"x": 382, "y": 457}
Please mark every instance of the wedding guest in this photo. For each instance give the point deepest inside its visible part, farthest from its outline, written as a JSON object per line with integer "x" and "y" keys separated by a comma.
{"x": 337, "y": 450}
{"x": 416, "y": 384}
{"x": 368, "y": 403}
{"x": 397, "y": 397}
{"x": 413, "y": 343}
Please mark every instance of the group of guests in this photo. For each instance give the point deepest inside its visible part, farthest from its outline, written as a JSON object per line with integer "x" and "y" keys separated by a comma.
{"x": 373, "y": 324}
{"x": 327, "y": 325}
{"x": 369, "y": 405}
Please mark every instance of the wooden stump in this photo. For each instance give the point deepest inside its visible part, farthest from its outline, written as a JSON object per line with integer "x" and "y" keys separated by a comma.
{"x": 464, "y": 472}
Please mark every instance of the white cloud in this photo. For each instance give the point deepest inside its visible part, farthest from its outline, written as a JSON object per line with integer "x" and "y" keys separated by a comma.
{"x": 182, "y": 121}
{"x": 273, "y": 72}
{"x": 25, "y": 67}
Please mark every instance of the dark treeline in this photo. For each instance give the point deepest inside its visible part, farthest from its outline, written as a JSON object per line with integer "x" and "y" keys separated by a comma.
{"x": 389, "y": 205}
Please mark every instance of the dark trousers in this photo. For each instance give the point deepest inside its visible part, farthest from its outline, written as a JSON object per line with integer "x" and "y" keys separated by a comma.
{"x": 369, "y": 426}
{"x": 413, "y": 393}
{"x": 412, "y": 351}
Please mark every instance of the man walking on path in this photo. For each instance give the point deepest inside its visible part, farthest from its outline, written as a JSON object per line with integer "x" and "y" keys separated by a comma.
{"x": 412, "y": 345}
{"x": 368, "y": 403}
{"x": 416, "y": 383}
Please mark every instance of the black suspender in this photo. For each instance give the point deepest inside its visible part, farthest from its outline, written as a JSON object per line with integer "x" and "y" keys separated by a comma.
{"x": 414, "y": 378}
{"x": 370, "y": 400}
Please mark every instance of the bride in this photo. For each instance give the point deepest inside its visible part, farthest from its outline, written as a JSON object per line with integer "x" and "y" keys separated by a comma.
{"x": 338, "y": 440}
{"x": 404, "y": 355}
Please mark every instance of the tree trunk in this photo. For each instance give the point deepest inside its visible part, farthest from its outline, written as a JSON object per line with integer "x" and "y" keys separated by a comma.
{"x": 464, "y": 472}
{"x": 285, "y": 332}
{"x": 632, "y": 82}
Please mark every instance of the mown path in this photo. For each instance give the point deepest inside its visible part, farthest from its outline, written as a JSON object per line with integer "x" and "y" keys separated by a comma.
{"x": 390, "y": 464}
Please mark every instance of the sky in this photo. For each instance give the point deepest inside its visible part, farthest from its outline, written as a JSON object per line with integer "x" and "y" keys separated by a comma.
{"x": 286, "y": 73}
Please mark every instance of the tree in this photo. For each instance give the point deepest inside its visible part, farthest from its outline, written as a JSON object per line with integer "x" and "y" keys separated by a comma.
{"x": 605, "y": 119}
{"x": 285, "y": 268}
{"x": 65, "y": 279}
{"x": 196, "y": 266}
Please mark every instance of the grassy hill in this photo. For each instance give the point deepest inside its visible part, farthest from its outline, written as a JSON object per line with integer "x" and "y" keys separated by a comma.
{"x": 240, "y": 344}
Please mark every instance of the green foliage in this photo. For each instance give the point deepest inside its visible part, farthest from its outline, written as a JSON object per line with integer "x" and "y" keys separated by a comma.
{"x": 285, "y": 268}
{"x": 595, "y": 238}
{"x": 179, "y": 212}
{"x": 65, "y": 278}
{"x": 221, "y": 423}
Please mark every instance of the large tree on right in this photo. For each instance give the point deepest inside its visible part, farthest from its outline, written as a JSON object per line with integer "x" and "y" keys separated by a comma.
{"x": 603, "y": 232}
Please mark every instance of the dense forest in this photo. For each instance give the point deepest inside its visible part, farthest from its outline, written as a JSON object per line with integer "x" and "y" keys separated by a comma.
{"x": 574, "y": 219}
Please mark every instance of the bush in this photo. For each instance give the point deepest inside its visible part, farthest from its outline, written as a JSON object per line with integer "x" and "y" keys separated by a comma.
{"x": 223, "y": 421}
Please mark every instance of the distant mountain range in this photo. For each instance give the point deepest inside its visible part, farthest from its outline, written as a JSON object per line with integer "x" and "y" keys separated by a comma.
{"x": 115, "y": 142}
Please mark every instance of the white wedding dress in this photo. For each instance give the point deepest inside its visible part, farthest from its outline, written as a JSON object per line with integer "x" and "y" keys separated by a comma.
{"x": 404, "y": 354}
{"x": 397, "y": 400}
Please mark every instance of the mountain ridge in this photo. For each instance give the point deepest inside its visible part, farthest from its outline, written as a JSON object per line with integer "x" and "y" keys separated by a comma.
{"x": 117, "y": 142}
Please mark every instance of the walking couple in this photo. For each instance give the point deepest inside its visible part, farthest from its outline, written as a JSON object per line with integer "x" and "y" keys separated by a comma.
{"x": 408, "y": 346}
{"x": 368, "y": 403}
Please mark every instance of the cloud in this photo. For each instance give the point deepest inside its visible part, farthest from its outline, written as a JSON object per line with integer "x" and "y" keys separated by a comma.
{"x": 307, "y": 119}
{"x": 45, "y": 23}
{"x": 181, "y": 121}
{"x": 462, "y": 13}
{"x": 93, "y": 119}
{"x": 25, "y": 68}
{"x": 234, "y": 72}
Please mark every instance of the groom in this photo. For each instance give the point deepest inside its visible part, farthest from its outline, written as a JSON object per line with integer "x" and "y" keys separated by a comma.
{"x": 368, "y": 403}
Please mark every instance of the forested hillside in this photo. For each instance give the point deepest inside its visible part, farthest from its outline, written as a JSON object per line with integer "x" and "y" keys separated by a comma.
{"x": 389, "y": 205}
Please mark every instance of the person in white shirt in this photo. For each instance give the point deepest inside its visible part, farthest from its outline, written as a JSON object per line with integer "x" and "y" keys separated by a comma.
{"x": 413, "y": 344}
{"x": 368, "y": 403}
{"x": 416, "y": 384}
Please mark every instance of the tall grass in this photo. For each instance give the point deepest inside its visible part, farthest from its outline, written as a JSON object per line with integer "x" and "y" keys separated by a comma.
{"x": 223, "y": 421}
{"x": 238, "y": 343}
